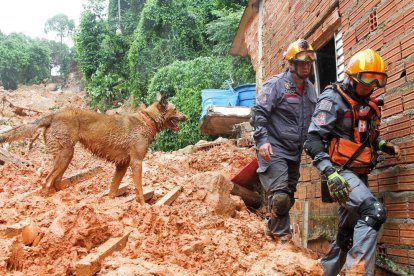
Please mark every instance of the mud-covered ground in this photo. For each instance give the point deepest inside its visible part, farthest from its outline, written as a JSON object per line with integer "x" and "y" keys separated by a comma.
{"x": 206, "y": 231}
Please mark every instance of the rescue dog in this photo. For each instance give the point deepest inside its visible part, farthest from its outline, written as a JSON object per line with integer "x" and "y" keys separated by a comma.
{"x": 121, "y": 139}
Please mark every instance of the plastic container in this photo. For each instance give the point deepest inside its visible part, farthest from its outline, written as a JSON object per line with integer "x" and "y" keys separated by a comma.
{"x": 217, "y": 97}
{"x": 246, "y": 94}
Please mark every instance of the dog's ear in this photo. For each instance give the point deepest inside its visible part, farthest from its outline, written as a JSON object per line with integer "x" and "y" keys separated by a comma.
{"x": 162, "y": 99}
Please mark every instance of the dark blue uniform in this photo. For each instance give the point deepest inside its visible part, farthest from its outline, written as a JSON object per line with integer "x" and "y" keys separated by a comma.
{"x": 281, "y": 117}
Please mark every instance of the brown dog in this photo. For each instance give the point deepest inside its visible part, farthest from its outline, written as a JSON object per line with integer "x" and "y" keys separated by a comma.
{"x": 121, "y": 139}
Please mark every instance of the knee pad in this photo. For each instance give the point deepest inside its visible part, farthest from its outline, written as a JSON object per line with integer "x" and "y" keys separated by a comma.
{"x": 373, "y": 213}
{"x": 345, "y": 238}
{"x": 281, "y": 204}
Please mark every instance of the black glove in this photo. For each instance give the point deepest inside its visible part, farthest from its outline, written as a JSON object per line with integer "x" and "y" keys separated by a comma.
{"x": 339, "y": 188}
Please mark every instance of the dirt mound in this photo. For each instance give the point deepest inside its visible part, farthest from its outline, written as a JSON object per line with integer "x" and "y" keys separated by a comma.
{"x": 206, "y": 230}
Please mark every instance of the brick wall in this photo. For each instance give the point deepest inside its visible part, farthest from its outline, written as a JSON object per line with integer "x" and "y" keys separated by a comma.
{"x": 388, "y": 27}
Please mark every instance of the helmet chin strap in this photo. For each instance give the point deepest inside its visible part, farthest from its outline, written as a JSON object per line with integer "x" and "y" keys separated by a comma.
{"x": 353, "y": 85}
{"x": 350, "y": 85}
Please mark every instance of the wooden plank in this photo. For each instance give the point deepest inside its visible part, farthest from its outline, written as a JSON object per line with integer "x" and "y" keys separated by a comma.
{"x": 73, "y": 180}
{"x": 148, "y": 194}
{"x": 169, "y": 198}
{"x": 121, "y": 190}
{"x": 91, "y": 263}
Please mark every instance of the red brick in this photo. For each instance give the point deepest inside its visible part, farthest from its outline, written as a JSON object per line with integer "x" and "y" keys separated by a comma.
{"x": 385, "y": 10}
{"x": 397, "y": 252}
{"x": 376, "y": 41}
{"x": 362, "y": 30}
{"x": 394, "y": 28}
{"x": 392, "y": 52}
{"x": 357, "y": 13}
{"x": 407, "y": 44}
{"x": 369, "y": 4}
{"x": 409, "y": 19}
{"x": 393, "y": 105}
{"x": 345, "y": 5}
{"x": 409, "y": 68}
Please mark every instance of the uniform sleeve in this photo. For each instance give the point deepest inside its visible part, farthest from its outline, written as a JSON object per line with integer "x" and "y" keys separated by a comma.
{"x": 322, "y": 123}
{"x": 262, "y": 112}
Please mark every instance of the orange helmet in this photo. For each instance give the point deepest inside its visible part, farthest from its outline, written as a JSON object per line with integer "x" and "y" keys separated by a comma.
{"x": 301, "y": 51}
{"x": 367, "y": 67}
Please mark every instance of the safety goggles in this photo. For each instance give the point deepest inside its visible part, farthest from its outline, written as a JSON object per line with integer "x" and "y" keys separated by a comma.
{"x": 371, "y": 78}
{"x": 304, "y": 56}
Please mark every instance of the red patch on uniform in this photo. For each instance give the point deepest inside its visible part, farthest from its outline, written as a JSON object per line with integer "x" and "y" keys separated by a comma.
{"x": 291, "y": 96}
{"x": 320, "y": 119}
{"x": 348, "y": 114}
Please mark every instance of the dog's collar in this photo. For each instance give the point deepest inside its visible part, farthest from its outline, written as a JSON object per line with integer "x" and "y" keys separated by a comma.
{"x": 153, "y": 128}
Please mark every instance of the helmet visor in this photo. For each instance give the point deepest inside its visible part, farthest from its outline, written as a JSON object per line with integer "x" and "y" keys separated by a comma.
{"x": 372, "y": 78}
{"x": 305, "y": 56}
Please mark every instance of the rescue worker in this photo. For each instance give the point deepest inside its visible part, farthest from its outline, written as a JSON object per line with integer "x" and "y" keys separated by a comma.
{"x": 343, "y": 140}
{"x": 281, "y": 119}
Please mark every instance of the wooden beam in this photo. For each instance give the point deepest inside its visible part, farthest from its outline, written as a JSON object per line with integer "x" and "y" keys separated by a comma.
{"x": 73, "y": 180}
{"x": 121, "y": 190}
{"x": 169, "y": 198}
{"x": 148, "y": 194}
{"x": 250, "y": 198}
{"x": 91, "y": 263}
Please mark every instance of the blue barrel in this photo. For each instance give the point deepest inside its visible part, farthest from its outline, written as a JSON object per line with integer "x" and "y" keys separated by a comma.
{"x": 247, "y": 94}
{"x": 217, "y": 97}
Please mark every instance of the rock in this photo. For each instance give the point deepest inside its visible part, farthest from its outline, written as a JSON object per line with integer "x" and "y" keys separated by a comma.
{"x": 218, "y": 189}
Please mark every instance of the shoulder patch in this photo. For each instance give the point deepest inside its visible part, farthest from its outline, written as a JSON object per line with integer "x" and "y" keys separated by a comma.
{"x": 264, "y": 95}
{"x": 319, "y": 119}
{"x": 325, "y": 105}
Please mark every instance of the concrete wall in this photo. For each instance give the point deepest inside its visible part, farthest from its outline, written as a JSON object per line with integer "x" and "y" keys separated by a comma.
{"x": 386, "y": 26}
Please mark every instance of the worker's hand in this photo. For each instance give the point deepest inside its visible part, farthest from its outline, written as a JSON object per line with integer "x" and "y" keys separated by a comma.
{"x": 392, "y": 149}
{"x": 339, "y": 188}
{"x": 266, "y": 151}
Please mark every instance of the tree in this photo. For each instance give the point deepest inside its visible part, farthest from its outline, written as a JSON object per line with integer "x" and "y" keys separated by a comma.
{"x": 23, "y": 60}
{"x": 60, "y": 24}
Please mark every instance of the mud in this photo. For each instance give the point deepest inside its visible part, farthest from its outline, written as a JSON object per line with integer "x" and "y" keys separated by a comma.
{"x": 206, "y": 231}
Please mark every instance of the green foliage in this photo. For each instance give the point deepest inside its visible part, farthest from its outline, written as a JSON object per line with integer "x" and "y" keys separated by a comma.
{"x": 130, "y": 15}
{"x": 221, "y": 30}
{"x": 90, "y": 33}
{"x": 108, "y": 85}
{"x": 22, "y": 60}
{"x": 168, "y": 31}
{"x": 183, "y": 82}
{"x": 60, "y": 24}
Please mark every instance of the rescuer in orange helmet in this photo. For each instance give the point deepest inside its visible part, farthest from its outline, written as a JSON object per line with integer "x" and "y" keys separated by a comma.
{"x": 346, "y": 120}
{"x": 281, "y": 118}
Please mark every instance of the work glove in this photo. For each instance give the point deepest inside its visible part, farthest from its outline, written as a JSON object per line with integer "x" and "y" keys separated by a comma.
{"x": 390, "y": 148}
{"x": 338, "y": 187}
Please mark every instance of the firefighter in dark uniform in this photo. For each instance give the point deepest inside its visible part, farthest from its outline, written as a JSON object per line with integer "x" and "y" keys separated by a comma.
{"x": 281, "y": 119}
{"x": 343, "y": 141}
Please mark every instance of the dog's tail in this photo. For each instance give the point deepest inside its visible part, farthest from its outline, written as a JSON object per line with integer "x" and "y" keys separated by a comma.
{"x": 25, "y": 131}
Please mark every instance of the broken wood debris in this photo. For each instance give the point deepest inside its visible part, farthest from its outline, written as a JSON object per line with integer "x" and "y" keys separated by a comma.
{"x": 169, "y": 198}
{"x": 121, "y": 190}
{"x": 73, "y": 180}
{"x": 91, "y": 263}
{"x": 148, "y": 194}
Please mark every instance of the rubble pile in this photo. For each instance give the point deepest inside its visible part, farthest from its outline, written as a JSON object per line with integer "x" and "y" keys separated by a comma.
{"x": 205, "y": 231}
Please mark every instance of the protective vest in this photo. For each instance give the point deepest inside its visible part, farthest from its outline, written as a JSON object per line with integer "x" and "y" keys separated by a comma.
{"x": 341, "y": 150}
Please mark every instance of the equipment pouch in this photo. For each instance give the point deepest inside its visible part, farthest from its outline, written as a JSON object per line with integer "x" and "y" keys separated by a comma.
{"x": 341, "y": 150}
